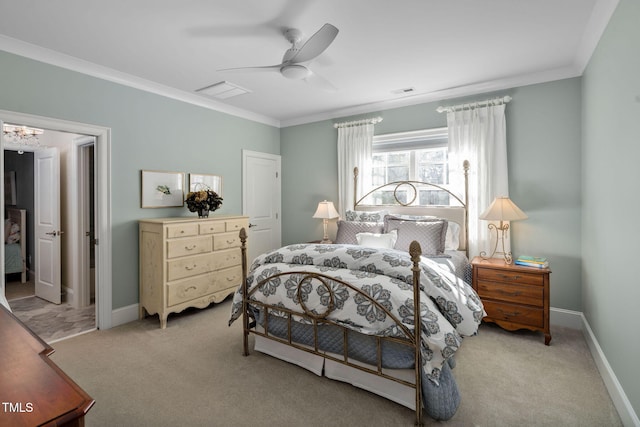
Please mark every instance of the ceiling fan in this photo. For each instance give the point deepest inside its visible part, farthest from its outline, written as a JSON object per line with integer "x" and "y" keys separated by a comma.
{"x": 296, "y": 59}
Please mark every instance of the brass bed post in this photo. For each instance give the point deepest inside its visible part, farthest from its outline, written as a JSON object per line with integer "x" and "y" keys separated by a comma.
{"x": 355, "y": 186}
{"x": 415, "y": 251}
{"x": 465, "y": 166}
{"x": 245, "y": 316}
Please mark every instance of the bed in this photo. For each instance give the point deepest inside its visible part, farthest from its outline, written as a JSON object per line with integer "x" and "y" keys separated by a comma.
{"x": 346, "y": 311}
{"x": 15, "y": 250}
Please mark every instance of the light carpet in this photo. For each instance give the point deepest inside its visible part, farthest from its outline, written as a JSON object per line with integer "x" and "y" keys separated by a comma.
{"x": 193, "y": 374}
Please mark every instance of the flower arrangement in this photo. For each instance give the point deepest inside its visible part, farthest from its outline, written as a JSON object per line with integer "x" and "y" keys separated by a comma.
{"x": 203, "y": 201}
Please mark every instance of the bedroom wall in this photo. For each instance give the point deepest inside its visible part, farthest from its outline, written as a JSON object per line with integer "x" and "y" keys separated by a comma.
{"x": 148, "y": 132}
{"x": 611, "y": 149}
{"x": 543, "y": 138}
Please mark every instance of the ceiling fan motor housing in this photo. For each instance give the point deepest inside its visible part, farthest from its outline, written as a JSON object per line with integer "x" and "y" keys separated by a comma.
{"x": 295, "y": 71}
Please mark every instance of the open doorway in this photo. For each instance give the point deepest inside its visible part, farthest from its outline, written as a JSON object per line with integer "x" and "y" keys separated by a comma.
{"x": 101, "y": 138}
{"x": 54, "y": 312}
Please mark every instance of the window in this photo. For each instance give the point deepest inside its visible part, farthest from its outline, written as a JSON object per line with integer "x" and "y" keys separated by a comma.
{"x": 411, "y": 156}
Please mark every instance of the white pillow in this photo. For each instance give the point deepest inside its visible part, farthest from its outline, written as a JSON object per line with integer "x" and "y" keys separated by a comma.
{"x": 378, "y": 240}
{"x": 452, "y": 240}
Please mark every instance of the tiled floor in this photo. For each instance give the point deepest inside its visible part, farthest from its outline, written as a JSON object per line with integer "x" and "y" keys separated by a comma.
{"x": 49, "y": 321}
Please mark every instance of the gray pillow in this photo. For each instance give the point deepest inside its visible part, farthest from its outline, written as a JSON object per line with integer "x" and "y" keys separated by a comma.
{"x": 347, "y": 231}
{"x": 365, "y": 216}
{"x": 431, "y": 233}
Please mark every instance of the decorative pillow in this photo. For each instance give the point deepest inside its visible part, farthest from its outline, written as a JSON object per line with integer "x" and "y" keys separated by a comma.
{"x": 347, "y": 231}
{"x": 13, "y": 236}
{"x": 431, "y": 233}
{"x": 378, "y": 240}
{"x": 452, "y": 241}
{"x": 362, "y": 216}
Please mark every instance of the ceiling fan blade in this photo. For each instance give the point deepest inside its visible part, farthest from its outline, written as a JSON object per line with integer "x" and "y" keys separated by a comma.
{"x": 320, "y": 82}
{"x": 254, "y": 69}
{"x": 316, "y": 44}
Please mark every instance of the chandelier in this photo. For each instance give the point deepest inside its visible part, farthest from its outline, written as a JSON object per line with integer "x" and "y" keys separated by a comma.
{"x": 22, "y": 136}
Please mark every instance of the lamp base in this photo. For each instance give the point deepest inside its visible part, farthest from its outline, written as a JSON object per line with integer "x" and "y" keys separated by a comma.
{"x": 500, "y": 232}
{"x": 326, "y": 242}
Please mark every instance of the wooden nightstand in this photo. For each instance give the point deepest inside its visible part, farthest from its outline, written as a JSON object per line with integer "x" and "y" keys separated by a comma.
{"x": 514, "y": 297}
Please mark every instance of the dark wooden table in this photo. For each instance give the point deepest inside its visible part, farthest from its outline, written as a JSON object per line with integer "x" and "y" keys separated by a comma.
{"x": 33, "y": 390}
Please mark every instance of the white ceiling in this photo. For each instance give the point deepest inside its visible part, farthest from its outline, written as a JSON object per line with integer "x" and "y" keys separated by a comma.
{"x": 442, "y": 49}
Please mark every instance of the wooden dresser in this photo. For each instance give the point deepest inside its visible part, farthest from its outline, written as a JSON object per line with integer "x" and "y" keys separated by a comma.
{"x": 514, "y": 297}
{"x": 34, "y": 390}
{"x": 188, "y": 262}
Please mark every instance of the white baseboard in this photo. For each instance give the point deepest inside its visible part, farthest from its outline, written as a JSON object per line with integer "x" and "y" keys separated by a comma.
{"x": 565, "y": 318}
{"x": 620, "y": 400}
{"x": 123, "y": 315}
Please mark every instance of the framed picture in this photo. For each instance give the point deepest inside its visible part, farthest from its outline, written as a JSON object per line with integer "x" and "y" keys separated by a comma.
{"x": 199, "y": 182}
{"x": 10, "y": 194}
{"x": 162, "y": 189}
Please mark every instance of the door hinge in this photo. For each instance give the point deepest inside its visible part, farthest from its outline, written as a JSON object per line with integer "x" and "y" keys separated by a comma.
{"x": 276, "y": 174}
{"x": 95, "y": 242}
{"x": 276, "y": 215}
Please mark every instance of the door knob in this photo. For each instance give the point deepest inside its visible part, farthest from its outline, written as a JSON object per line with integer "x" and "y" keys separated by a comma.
{"x": 252, "y": 225}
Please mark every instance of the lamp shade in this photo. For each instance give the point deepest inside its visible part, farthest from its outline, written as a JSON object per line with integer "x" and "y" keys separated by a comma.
{"x": 326, "y": 210}
{"x": 503, "y": 209}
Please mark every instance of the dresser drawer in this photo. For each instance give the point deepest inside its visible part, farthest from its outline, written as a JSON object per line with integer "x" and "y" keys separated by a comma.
{"x": 210, "y": 227}
{"x": 509, "y": 276}
{"x": 515, "y": 313}
{"x": 188, "y": 289}
{"x": 522, "y": 294}
{"x": 235, "y": 224}
{"x": 189, "y": 246}
{"x": 226, "y": 240}
{"x": 190, "y": 266}
{"x": 182, "y": 230}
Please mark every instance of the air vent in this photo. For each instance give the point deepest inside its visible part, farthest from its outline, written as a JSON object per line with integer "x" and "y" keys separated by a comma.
{"x": 223, "y": 90}
{"x": 403, "y": 91}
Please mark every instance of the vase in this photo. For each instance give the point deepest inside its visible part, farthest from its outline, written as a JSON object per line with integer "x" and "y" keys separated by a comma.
{"x": 203, "y": 213}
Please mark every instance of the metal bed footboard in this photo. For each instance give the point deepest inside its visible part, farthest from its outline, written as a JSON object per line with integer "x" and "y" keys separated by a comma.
{"x": 410, "y": 339}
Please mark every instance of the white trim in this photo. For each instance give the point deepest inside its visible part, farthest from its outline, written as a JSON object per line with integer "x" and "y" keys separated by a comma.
{"x": 598, "y": 21}
{"x": 48, "y": 56}
{"x": 103, "y": 199}
{"x": 123, "y": 315}
{"x": 620, "y": 399}
{"x": 565, "y": 318}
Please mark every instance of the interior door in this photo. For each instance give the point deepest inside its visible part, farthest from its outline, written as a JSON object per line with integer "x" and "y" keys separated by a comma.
{"x": 261, "y": 201}
{"x": 47, "y": 224}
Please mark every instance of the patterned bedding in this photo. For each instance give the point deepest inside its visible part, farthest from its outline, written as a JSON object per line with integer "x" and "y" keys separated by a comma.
{"x": 13, "y": 262}
{"x": 450, "y": 308}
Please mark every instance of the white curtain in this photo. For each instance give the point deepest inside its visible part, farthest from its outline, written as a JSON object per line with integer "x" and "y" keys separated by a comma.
{"x": 354, "y": 150}
{"x": 479, "y": 135}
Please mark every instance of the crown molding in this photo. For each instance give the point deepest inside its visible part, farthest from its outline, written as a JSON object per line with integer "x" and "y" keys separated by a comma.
{"x": 58, "y": 59}
{"x": 450, "y": 93}
{"x": 598, "y": 21}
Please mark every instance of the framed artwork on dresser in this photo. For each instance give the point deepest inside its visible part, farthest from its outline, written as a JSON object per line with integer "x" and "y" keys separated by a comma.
{"x": 161, "y": 189}
{"x": 198, "y": 181}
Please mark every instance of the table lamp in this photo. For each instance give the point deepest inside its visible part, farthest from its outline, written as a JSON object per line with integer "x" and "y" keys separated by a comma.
{"x": 502, "y": 209}
{"x": 326, "y": 211}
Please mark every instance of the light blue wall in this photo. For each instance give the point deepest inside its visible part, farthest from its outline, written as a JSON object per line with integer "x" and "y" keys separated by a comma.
{"x": 148, "y": 132}
{"x": 543, "y": 138}
{"x": 611, "y": 202}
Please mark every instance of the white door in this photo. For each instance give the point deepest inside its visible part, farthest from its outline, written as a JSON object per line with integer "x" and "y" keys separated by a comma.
{"x": 261, "y": 201}
{"x": 47, "y": 224}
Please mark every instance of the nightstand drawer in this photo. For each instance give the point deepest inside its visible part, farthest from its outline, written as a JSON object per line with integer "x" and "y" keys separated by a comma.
{"x": 509, "y": 276}
{"x": 521, "y": 294}
{"x": 521, "y": 314}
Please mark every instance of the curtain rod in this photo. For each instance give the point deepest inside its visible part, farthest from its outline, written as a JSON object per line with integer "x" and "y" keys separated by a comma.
{"x": 471, "y": 105}
{"x": 372, "y": 121}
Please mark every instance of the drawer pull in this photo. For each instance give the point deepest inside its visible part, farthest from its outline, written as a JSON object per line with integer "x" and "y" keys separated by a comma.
{"x": 231, "y": 241}
{"x": 190, "y": 248}
{"x": 190, "y": 288}
{"x": 186, "y": 267}
{"x": 509, "y": 314}
{"x": 511, "y": 294}
{"x": 506, "y": 276}
{"x": 231, "y": 279}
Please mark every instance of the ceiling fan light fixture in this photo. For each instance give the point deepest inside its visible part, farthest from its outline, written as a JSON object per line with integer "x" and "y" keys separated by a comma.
{"x": 295, "y": 72}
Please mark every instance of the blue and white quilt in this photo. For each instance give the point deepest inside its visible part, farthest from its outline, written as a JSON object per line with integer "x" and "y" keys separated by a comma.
{"x": 450, "y": 308}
